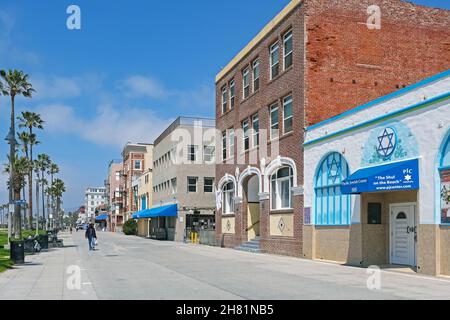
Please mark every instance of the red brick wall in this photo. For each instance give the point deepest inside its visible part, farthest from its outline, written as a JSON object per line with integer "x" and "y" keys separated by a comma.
{"x": 338, "y": 64}
{"x": 412, "y": 44}
{"x": 288, "y": 82}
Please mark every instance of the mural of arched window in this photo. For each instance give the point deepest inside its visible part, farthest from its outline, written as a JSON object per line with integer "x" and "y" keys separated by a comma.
{"x": 444, "y": 171}
{"x": 331, "y": 206}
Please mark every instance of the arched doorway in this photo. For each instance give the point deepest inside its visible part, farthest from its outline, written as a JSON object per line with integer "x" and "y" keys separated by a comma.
{"x": 251, "y": 190}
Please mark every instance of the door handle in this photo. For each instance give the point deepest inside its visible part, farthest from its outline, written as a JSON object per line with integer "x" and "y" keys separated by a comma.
{"x": 407, "y": 229}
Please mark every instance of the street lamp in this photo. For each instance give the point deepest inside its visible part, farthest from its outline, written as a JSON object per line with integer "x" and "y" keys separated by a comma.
{"x": 11, "y": 139}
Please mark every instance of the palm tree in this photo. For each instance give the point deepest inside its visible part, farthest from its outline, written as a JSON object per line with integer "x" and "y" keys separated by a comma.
{"x": 21, "y": 167}
{"x": 30, "y": 120}
{"x": 15, "y": 83}
{"x": 57, "y": 191}
{"x": 42, "y": 164}
{"x": 52, "y": 170}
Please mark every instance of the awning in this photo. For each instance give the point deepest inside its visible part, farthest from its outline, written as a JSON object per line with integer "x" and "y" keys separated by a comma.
{"x": 395, "y": 176}
{"x": 102, "y": 217}
{"x": 164, "y": 211}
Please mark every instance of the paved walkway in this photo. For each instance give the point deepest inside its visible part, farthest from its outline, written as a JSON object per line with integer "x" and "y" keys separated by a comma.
{"x": 135, "y": 268}
{"x": 44, "y": 277}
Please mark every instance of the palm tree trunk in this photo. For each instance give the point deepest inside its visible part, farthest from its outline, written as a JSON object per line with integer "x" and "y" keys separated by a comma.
{"x": 17, "y": 216}
{"x": 30, "y": 186}
{"x": 17, "y": 227}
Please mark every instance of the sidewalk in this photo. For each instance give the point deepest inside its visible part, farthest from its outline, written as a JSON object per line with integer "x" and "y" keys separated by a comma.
{"x": 44, "y": 276}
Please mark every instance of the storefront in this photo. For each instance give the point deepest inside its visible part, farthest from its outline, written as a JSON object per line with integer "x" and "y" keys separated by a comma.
{"x": 157, "y": 223}
{"x": 102, "y": 221}
{"x": 377, "y": 182}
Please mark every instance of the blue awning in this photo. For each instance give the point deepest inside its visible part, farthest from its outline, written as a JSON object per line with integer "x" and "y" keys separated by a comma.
{"x": 102, "y": 217}
{"x": 395, "y": 176}
{"x": 164, "y": 211}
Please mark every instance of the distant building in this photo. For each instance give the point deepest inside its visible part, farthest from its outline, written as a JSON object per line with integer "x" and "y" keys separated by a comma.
{"x": 183, "y": 179}
{"x": 114, "y": 195}
{"x": 94, "y": 197}
{"x": 134, "y": 158}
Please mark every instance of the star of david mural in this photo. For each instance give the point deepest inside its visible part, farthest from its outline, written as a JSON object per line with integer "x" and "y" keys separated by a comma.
{"x": 386, "y": 143}
{"x": 334, "y": 170}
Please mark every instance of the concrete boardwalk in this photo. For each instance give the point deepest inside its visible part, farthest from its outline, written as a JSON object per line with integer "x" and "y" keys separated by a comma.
{"x": 134, "y": 268}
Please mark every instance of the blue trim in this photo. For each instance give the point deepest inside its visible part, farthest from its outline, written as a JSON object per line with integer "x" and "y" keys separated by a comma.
{"x": 378, "y": 119}
{"x": 444, "y": 168}
{"x": 395, "y": 94}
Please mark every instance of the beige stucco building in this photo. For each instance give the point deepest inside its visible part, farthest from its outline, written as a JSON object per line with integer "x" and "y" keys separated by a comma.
{"x": 183, "y": 175}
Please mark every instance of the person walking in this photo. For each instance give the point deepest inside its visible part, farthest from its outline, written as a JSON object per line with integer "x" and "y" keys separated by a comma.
{"x": 91, "y": 236}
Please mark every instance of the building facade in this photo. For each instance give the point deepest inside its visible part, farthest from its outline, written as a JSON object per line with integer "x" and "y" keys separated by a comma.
{"x": 314, "y": 60}
{"x": 377, "y": 188}
{"x": 94, "y": 197}
{"x": 114, "y": 192}
{"x": 184, "y": 175}
{"x": 134, "y": 162}
{"x": 143, "y": 190}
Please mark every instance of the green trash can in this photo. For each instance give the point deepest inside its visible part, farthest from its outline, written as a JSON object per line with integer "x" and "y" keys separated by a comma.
{"x": 29, "y": 246}
{"x": 17, "y": 251}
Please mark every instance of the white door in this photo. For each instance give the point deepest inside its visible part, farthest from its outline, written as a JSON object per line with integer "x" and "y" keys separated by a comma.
{"x": 403, "y": 235}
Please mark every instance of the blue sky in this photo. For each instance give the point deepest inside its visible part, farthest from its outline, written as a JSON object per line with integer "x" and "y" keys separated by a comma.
{"x": 133, "y": 67}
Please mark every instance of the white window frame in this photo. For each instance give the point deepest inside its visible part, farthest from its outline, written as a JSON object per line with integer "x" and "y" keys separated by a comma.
{"x": 231, "y": 138}
{"x": 274, "y": 108}
{"x": 286, "y": 101}
{"x": 190, "y": 185}
{"x": 232, "y": 94}
{"x": 228, "y": 199}
{"x": 288, "y": 36}
{"x": 209, "y": 185}
{"x": 224, "y": 99}
{"x": 245, "y": 75}
{"x": 255, "y": 133}
{"x": 190, "y": 153}
{"x": 173, "y": 184}
{"x": 256, "y": 66}
{"x": 274, "y": 47}
{"x": 277, "y": 192}
{"x": 246, "y": 134}
{"x": 140, "y": 164}
{"x": 224, "y": 146}
{"x": 208, "y": 154}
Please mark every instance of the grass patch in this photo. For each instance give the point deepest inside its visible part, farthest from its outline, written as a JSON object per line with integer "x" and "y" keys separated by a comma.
{"x": 5, "y": 261}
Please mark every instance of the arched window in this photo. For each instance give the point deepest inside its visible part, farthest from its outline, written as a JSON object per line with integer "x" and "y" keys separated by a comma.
{"x": 228, "y": 198}
{"x": 280, "y": 189}
{"x": 444, "y": 171}
{"x": 331, "y": 206}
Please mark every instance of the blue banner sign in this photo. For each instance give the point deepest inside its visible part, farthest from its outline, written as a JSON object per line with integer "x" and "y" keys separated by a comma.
{"x": 396, "y": 176}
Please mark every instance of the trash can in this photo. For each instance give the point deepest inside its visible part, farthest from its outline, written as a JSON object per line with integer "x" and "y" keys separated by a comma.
{"x": 43, "y": 241}
{"x": 29, "y": 246}
{"x": 17, "y": 252}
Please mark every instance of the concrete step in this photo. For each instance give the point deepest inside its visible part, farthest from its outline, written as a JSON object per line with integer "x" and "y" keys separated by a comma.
{"x": 250, "y": 246}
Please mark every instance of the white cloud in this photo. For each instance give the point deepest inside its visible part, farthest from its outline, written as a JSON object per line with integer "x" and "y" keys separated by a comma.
{"x": 107, "y": 126}
{"x": 201, "y": 97}
{"x": 141, "y": 86}
{"x": 57, "y": 87}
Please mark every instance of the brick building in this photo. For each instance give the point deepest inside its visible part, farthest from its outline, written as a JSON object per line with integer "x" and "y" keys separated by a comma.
{"x": 134, "y": 164}
{"x": 314, "y": 60}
